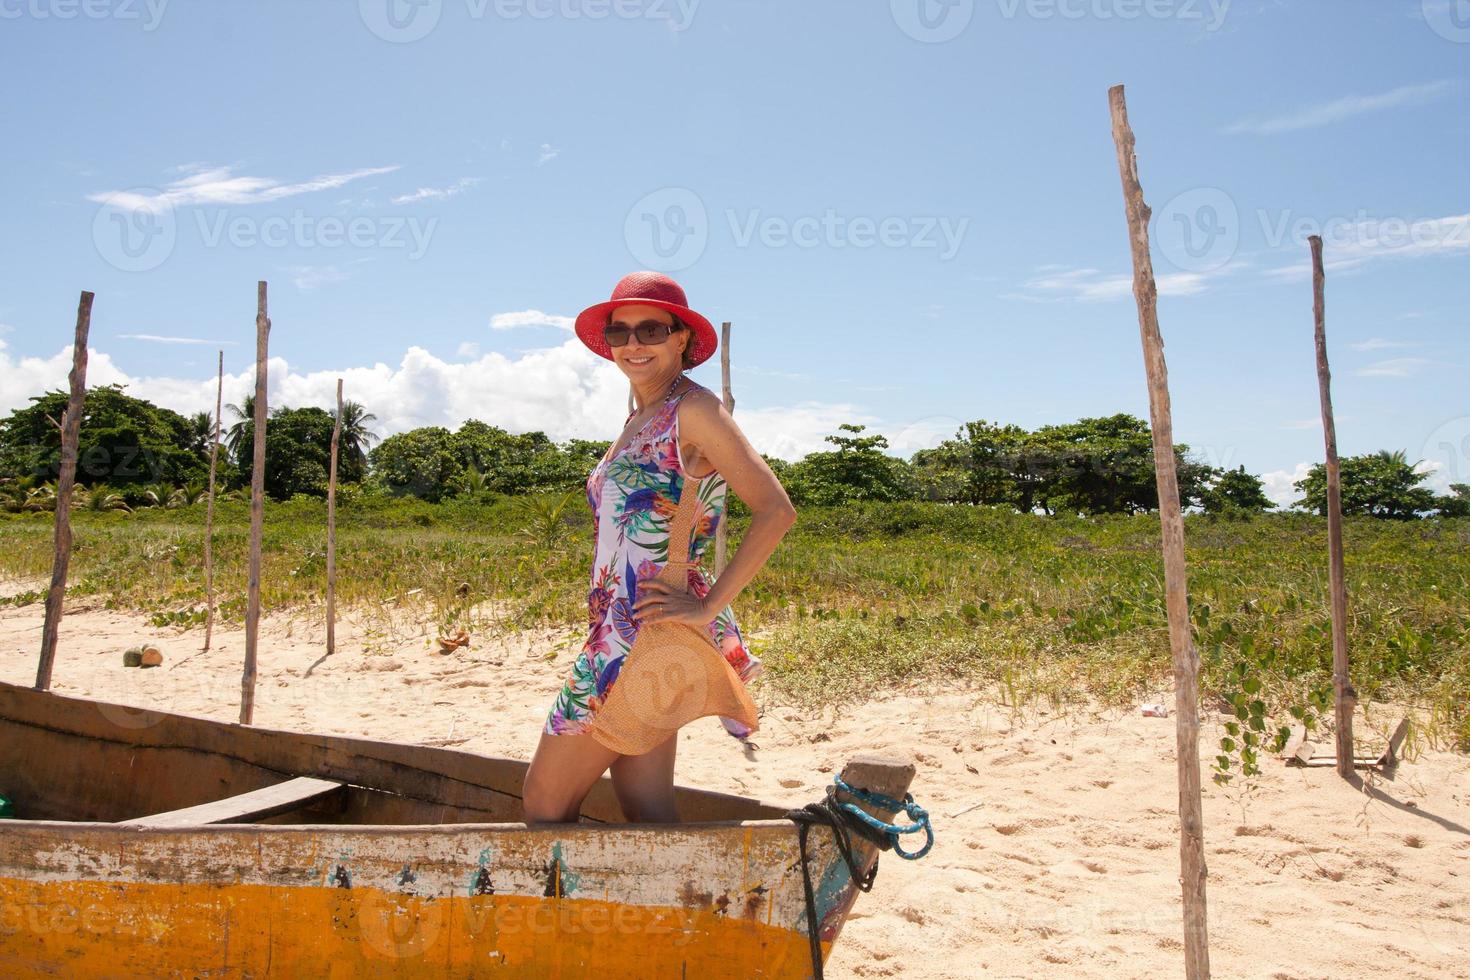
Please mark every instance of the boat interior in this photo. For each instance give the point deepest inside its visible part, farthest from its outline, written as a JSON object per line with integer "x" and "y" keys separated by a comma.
{"x": 74, "y": 759}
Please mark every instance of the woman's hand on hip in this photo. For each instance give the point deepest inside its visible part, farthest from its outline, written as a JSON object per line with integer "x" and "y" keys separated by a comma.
{"x": 660, "y": 602}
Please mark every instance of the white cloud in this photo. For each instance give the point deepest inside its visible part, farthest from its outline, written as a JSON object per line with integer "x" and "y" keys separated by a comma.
{"x": 792, "y": 431}
{"x": 1438, "y": 475}
{"x": 438, "y": 193}
{"x": 1092, "y": 286}
{"x": 565, "y": 391}
{"x": 1397, "y": 367}
{"x": 784, "y": 375}
{"x": 21, "y": 378}
{"x": 1304, "y": 423}
{"x": 468, "y": 349}
{"x": 162, "y": 339}
{"x": 1377, "y": 343}
{"x": 219, "y": 185}
{"x": 548, "y": 152}
{"x": 1345, "y": 108}
{"x": 1277, "y": 485}
{"x": 1350, "y": 245}
{"x": 530, "y": 318}
{"x": 309, "y": 277}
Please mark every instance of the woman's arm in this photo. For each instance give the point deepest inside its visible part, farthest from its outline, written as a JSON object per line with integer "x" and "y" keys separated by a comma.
{"x": 705, "y": 424}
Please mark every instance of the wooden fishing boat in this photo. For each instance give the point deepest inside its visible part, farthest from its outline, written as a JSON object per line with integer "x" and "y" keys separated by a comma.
{"x": 150, "y": 844}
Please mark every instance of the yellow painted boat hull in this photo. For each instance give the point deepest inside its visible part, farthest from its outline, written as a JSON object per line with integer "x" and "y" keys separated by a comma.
{"x": 416, "y": 869}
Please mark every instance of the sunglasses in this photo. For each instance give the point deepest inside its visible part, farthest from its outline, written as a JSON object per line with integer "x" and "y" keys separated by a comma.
{"x": 648, "y": 332}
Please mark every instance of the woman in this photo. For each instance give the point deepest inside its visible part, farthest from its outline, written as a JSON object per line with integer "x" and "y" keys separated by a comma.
{"x": 678, "y": 429}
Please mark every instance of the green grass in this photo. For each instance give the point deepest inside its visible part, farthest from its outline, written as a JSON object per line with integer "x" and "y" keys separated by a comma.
{"x": 871, "y": 595}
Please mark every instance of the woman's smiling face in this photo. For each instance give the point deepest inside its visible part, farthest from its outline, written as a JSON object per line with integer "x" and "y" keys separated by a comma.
{"x": 640, "y": 360}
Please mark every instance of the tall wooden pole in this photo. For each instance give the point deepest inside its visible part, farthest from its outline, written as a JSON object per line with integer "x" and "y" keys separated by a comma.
{"x": 332, "y": 529}
{"x": 257, "y": 508}
{"x": 219, "y": 398}
{"x": 71, "y": 427}
{"x": 729, "y": 400}
{"x": 1186, "y": 660}
{"x": 1346, "y": 697}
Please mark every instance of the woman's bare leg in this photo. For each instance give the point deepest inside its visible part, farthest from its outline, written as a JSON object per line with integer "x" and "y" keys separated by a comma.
{"x": 562, "y": 773}
{"x": 645, "y": 784}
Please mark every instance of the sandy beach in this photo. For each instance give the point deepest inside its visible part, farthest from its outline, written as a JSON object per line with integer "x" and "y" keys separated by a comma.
{"x": 1057, "y": 843}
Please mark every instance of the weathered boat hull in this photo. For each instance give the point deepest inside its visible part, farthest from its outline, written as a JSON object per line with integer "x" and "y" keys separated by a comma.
{"x": 715, "y": 897}
{"x": 257, "y": 901}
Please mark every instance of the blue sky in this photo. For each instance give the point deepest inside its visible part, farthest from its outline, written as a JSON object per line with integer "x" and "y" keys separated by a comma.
{"x": 909, "y": 210}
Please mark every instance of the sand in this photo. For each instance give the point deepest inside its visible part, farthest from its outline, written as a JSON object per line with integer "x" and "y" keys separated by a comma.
{"x": 1057, "y": 840}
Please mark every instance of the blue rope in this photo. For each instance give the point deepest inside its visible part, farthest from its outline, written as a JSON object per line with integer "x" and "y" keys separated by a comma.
{"x": 882, "y": 835}
{"x": 916, "y": 813}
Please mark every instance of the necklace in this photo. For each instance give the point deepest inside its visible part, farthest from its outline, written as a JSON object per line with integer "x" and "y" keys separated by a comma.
{"x": 667, "y": 395}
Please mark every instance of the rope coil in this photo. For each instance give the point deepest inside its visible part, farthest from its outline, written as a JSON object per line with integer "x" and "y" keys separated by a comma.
{"x": 916, "y": 813}
{"x": 843, "y": 817}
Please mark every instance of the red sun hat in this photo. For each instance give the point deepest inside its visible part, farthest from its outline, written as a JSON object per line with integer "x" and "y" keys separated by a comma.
{"x": 647, "y": 289}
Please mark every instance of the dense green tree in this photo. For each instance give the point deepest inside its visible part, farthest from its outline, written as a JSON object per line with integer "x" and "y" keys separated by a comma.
{"x": 1233, "y": 491}
{"x": 1381, "y": 484}
{"x": 298, "y": 453}
{"x": 124, "y": 441}
{"x": 1456, "y": 503}
{"x": 583, "y": 454}
{"x": 517, "y": 464}
{"x": 1105, "y": 466}
{"x": 856, "y": 470}
{"x": 1095, "y": 465}
{"x": 424, "y": 462}
{"x": 983, "y": 464}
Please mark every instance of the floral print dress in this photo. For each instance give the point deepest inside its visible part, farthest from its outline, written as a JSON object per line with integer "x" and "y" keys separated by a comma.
{"x": 633, "y": 496}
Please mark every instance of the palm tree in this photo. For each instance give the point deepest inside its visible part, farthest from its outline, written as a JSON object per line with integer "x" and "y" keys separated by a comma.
{"x": 191, "y": 493}
{"x": 244, "y": 418}
{"x": 201, "y": 430}
{"x": 42, "y": 497}
{"x": 545, "y": 524}
{"x": 100, "y": 499}
{"x": 12, "y": 496}
{"x": 356, "y": 437}
{"x": 475, "y": 482}
{"x": 162, "y": 494}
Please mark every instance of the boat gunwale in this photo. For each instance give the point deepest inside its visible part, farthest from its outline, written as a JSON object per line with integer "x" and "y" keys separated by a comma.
{"x": 352, "y": 743}
{"x": 385, "y": 830}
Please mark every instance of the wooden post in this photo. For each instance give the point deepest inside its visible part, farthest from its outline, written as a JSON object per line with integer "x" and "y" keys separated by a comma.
{"x": 219, "y": 397}
{"x": 1346, "y": 697}
{"x": 1186, "y": 660}
{"x": 71, "y": 427}
{"x": 729, "y": 400}
{"x": 257, "y": 508}
{"x": 332, "y": 529}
